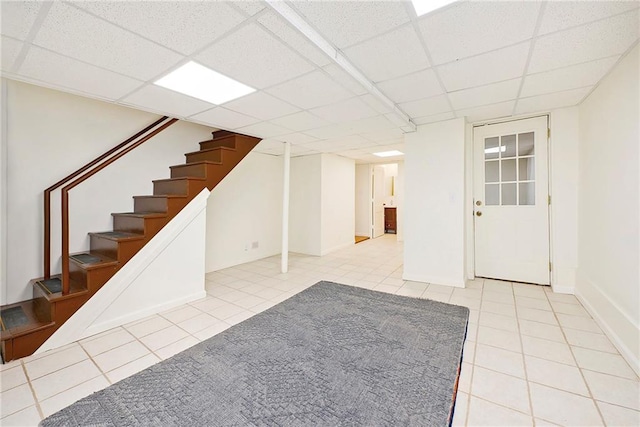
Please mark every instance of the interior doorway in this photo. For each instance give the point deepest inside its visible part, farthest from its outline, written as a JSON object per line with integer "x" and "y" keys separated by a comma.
{"x": 378, "y": 200}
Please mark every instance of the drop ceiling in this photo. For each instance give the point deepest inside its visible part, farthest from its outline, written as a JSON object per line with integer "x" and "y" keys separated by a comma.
{"x": 476, "y": 59}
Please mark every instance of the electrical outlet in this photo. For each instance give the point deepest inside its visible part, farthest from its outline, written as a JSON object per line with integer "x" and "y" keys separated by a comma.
{"x": 255, "y": 245}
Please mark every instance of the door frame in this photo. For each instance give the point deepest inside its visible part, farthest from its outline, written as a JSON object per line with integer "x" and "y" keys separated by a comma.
{"x": 472, "y": 171}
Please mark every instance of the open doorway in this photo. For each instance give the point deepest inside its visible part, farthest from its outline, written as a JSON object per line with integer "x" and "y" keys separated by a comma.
{"x": 378, "y": 200}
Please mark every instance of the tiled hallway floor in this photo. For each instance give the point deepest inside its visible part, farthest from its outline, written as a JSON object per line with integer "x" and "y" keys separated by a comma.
{"x": 531, "y": 356}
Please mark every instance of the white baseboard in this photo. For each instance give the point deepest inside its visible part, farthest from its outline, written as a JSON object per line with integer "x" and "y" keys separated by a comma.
{"x": 141, "y": 314}
{"x": 337, "y": 247}
{"x": 570, "y": 290}
{"x": 614, "y": 322}
{"x": 445, "y": 281}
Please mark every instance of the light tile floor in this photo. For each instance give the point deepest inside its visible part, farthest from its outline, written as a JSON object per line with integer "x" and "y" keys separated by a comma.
{"x": 532, "y": 357}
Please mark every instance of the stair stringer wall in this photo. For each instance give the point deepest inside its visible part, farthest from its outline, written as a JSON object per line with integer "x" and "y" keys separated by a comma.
{"x": 167, "y": 272}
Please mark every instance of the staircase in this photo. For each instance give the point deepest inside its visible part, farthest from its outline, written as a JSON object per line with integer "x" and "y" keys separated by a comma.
{"x": 28, "y": 324}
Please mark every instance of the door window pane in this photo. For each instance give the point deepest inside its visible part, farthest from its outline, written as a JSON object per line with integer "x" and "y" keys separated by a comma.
{"x": 508, "y": 194}
{"x": 526, "y": 168}
{"x": 525, "y": 144}
{"x": 491, "y": 148}
{"x": 508, "y": 170}
{"x": 508, "y": 148}
{"x": 492, "y": 194}
{"x": 491, "y": 171}
{"x": 527, "y": 194}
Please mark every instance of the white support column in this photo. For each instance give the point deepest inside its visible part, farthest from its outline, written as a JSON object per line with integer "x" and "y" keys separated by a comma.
{"x": 4, "y": 123}
{"x": 285, "y": 208}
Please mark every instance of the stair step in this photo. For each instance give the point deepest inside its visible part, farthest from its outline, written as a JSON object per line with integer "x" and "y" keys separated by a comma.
{"x": 92, "y": 260}
{"x": 21, "y": 318}
{"x": 119, "y": 245}
{"x": 164, "y": 203}
{"x": 208, "y": 154}
{"x": 181, "y": 185}
{"x": 118, "y": 236}
{"x": 51, "y": 288}
{"x": 221, "y": 141}
{"x": 195, "y": 169}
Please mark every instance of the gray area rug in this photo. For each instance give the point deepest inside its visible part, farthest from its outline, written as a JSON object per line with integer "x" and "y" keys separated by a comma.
{"x": 331, "y": 355}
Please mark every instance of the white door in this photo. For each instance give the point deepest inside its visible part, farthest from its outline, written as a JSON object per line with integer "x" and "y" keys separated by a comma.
{"x": 511, "y": 208}
{"x": 377, "y": 202}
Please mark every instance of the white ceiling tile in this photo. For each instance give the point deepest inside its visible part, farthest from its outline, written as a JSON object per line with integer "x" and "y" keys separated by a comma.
{"x": 184, "y": 26}
{"x": 261, "y": 105}
{"x": 370, "y": 124}
{"x": 422, "y": 84}
{"x": 300, "y": 121}
{"x": 297, "y": 138}
{"x": 401, "y": 50}
{"x": 264, "y": 130}
{"x": 383, "y": 135}
{"x": 311, "y": 90}
{"x": 293, "y": 38}
{"x": 345, "y": 23}
{"x": 299, "y": 150}
{"x": 344, "y": 79}
{"x": 224, "y": 119}
{"x": 271, "y": 145}
{"x": 597, "y": 40}
{"x": 67, "y": 73}
{"x": 10, "y": 50}
{"x": 375, "y": 103}
{"x": 484, "y": 95}
{"x": 571, "y": 77}
{"x": 344, "y": 111}
{"x": 426, "y": 107}
{"x": 254, "y": 57}
{"x": 474, "y": 27}
{"x": 328, "y": 132}
{"x": 249, "y": 7}
{"x": 156, "y": 98}
{"x": 550, "y": 101}
{"x": 79, "y": 35}
{"x": 434, "y": 118}
{"x": 559, "y": 15}
{"x": 503, "y": 64}
{"x": 487, "y": 112}
{"x": 17, "y": 17}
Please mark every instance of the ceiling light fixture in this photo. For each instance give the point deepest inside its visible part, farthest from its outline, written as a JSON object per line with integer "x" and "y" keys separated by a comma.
{"x": 203, "y": 83}
{"x": 389, "y": 153}
{"x": 298, "y": 22}
{"x": 423, "y": 7}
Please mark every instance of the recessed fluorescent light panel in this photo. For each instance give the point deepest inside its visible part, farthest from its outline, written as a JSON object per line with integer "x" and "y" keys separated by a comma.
{"x": 389, "y": 153}
{"x": 423, "y": 7}
{"x": 203, "y": 83}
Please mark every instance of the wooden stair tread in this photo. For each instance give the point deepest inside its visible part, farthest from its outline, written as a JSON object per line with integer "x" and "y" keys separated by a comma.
{"x": 31, "y": 321}
{"x": 91, "y": 260}
{"x": 140, "y": 214}
{"x": 160, "y": 196}
{"x": 118, "y": 236}
{"x": 181, "y": 178}
{"x": 75, "y": 289}
{"x": 209, "y": 150}
{"x": 201, "y": 162}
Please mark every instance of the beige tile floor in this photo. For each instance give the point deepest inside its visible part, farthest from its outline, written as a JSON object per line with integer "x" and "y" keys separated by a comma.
{"x": 532, "y": 357}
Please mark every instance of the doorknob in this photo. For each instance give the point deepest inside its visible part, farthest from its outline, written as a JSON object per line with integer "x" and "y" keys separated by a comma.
{"x": 478, "y": 203}
{"x": 478, "y": 213}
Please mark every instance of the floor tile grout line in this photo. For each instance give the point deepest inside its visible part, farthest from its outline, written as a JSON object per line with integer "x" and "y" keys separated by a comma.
{"x": 33, "y": 392}
{"x": 472, "y": 364}
{"x": 591, "y": 396}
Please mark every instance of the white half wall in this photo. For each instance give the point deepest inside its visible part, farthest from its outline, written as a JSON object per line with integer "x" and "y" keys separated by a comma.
{"x": 337, "y": 203}
{"x": 167, "y": 272}
{"x": 609, "y": 207}
{"x": 244, "y": 213}
{"x": 305, "y": 205}
{"x": 363, "y": 201}
{"x": 434, "y": 240}
{"x": 563, "y": 181}
{"x": 51, "y": 134}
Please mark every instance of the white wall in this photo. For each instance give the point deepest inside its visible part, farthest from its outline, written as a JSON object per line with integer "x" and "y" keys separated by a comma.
{"x": 305, "y": 205}
{"x": 363, "y": 200}
{"x": 400, "y": 182}
{"x": 49, "y": 135}
{"x": 563, "y": 179}
{"x": 434, "y": 204}
{"x": 246, "y": 207}
{"x": 3, "y": 190}
{"x": 337, "y": 203}
{"x": 390, "y": 180}
{"x": 608, "y": 216}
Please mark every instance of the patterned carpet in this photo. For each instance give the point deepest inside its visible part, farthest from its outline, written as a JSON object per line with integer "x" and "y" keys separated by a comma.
{"x": 330, "y": 355}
